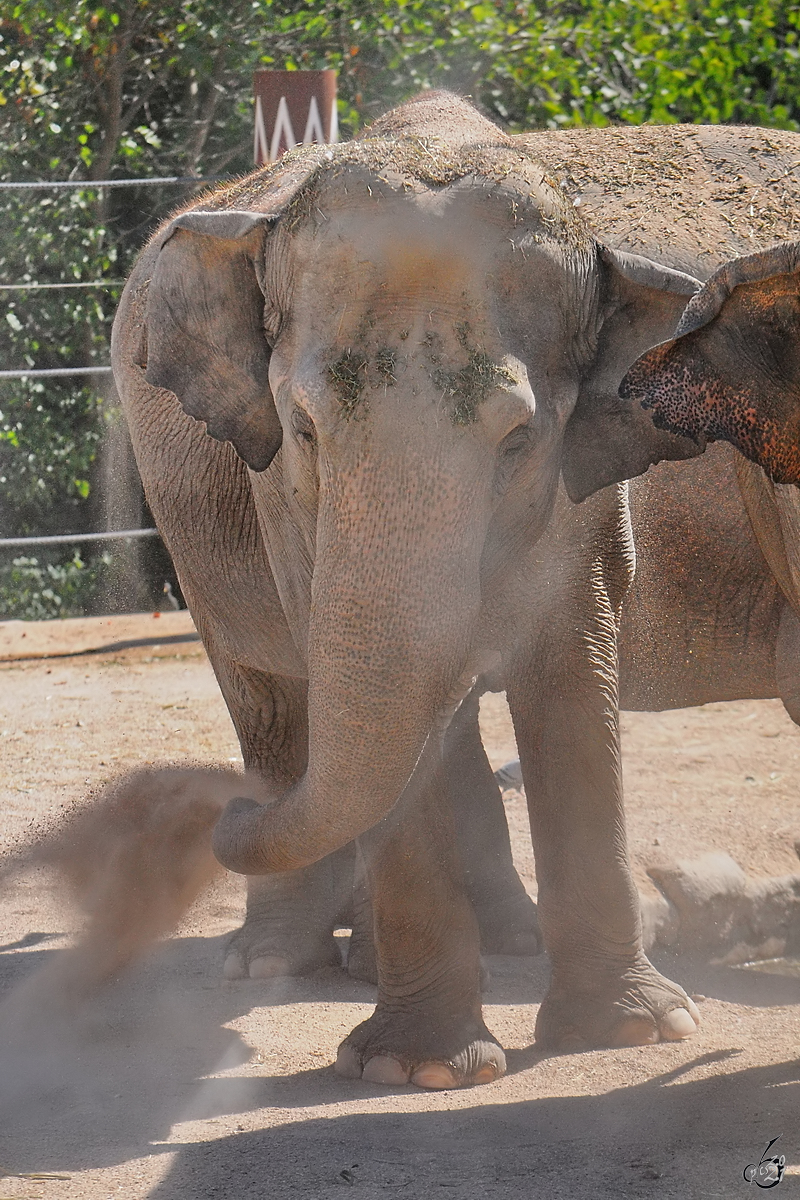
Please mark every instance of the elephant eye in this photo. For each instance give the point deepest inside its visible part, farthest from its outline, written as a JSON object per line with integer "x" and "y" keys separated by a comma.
{"x": 511, "y": 453}
{"x": 515, "y": 445}
{"x": 303, "y": 427}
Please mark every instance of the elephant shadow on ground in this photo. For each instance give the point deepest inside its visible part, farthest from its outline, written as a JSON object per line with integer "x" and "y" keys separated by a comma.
{"x": 99, "y": 1082}
{"x": 115, "y": 1080}
{"x": 669, "y": 1136}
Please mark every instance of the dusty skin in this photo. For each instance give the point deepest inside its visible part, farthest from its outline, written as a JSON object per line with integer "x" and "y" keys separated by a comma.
{"x": 176, "y": 1085}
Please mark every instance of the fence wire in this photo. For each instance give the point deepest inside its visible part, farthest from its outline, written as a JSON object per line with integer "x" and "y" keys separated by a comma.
{"x": 60, "y": 372}
{"x": 88, "y": 184}
{"x": 53, "y": 372}
{"x": 40, "y": 287}
{"x": 68, "y": 539}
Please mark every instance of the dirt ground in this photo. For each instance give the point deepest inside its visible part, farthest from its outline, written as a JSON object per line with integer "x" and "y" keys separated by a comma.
{"x": 176, "y": 1085}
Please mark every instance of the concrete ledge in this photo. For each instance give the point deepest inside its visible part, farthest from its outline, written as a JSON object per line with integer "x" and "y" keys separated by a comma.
{"x": 161, "y": 634}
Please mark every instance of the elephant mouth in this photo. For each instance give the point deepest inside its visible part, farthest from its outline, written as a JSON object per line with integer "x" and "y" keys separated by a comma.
{"x": 485, "y": 663}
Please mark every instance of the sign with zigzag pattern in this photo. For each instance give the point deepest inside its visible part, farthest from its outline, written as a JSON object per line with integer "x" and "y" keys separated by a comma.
{"x": 292, "y": 107}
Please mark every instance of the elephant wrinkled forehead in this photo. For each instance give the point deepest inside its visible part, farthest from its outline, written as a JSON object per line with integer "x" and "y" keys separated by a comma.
{"x": 401, "y": 287}
{"x": 399, "y": 246}
{"x": 396, "y": 299}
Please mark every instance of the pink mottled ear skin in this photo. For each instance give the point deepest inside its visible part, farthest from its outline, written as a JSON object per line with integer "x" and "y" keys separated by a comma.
{"x": 692, "y": 396}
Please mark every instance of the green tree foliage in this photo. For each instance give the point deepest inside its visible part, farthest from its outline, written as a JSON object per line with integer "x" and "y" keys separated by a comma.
{"x": 37, "y": 591}
{"x": 597, "y": 62}
{"x": 146, "y": 88}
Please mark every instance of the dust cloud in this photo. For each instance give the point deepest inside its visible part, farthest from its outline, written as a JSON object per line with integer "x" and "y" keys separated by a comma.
{"x": 133, "y": 860}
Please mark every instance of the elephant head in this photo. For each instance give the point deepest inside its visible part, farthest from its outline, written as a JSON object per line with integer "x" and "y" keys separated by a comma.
{"x": 406, "y": 338}
{"x": 732, "y": 370}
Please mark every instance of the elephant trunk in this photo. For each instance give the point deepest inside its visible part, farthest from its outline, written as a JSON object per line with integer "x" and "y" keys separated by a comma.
{"x": 395, "y": 597}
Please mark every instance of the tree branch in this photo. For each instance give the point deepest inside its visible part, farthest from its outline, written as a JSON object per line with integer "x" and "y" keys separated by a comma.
{"x": 133, "y": 108}
{"x": 202, "y": 125}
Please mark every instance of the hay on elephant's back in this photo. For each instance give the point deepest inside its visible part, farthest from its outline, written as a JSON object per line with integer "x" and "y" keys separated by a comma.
{"x": 679, "y": 192}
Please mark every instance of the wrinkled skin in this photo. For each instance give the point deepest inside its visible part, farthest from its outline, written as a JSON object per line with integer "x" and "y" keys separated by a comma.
{"x": 732, "y": 371}
{"x": 352, "y": 382}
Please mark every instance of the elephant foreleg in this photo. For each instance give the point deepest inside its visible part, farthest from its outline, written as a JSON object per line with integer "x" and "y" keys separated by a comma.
{"x": 563, "y": 700}
{"x": 505, "y": 912}
{"x": 427, "y": 1027}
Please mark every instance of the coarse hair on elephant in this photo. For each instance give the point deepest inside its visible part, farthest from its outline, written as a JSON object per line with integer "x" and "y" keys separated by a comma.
{"x": 732, "y": 370}
{"x": 353, "y": 381}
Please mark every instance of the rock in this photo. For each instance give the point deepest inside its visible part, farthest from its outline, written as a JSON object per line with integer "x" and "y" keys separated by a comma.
{"x": 712, "y": 906}
{"x": 660, "y": 921}
{"x": 510, "y": 776}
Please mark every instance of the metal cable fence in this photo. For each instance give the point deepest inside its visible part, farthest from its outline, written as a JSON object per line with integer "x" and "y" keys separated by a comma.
{"x": 26, "y": 373}
{"x": 53, "y": 372}
{"x": 89, "y": 184}
{"x": 69, "y": 539}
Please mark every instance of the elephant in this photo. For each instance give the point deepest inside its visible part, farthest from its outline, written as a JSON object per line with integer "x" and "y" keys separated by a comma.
{"x": 353, "y": 381}
{"x": 694, "y": 197}
{"x": 712, "y": 613}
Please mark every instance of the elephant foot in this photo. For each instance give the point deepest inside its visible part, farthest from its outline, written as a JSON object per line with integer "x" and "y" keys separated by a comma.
{"x": 639, "y": 1007}
{"x": 509, "y": 926}
{"x": 265, "y": 949}
{"x": 393, "y": 1050}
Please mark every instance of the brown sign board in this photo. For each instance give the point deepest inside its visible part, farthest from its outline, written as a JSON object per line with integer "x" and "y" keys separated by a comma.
{"x": 293, "y": 107}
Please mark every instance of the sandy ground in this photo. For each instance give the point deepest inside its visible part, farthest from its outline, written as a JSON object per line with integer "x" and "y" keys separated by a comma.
{"x": 176, "y": 1085}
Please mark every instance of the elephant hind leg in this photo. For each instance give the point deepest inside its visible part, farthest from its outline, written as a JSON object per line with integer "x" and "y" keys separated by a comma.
{"x": 506, "y": 914}
{"x": 290, "y": 919}
{"x": 288, "y": 928}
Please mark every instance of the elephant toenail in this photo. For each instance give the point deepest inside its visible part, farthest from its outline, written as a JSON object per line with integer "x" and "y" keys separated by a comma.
{"x": 487, "y": 1073}
{"x": 348, "y": 1063}
{"x": 383, "y": 1069}
{"x": 694, "y": 1010}
{"x": 678, "y": 1024}
{"x": 635, "y": 1032}
{"x": 435, "y": 1075}
{"x": 234, "y": 967}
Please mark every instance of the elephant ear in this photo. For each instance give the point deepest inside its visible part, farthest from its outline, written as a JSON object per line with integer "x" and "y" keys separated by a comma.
{"x": 205, "y": 329}
{"x": 732, "y": 371}
{"x": 607, "y": 438}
